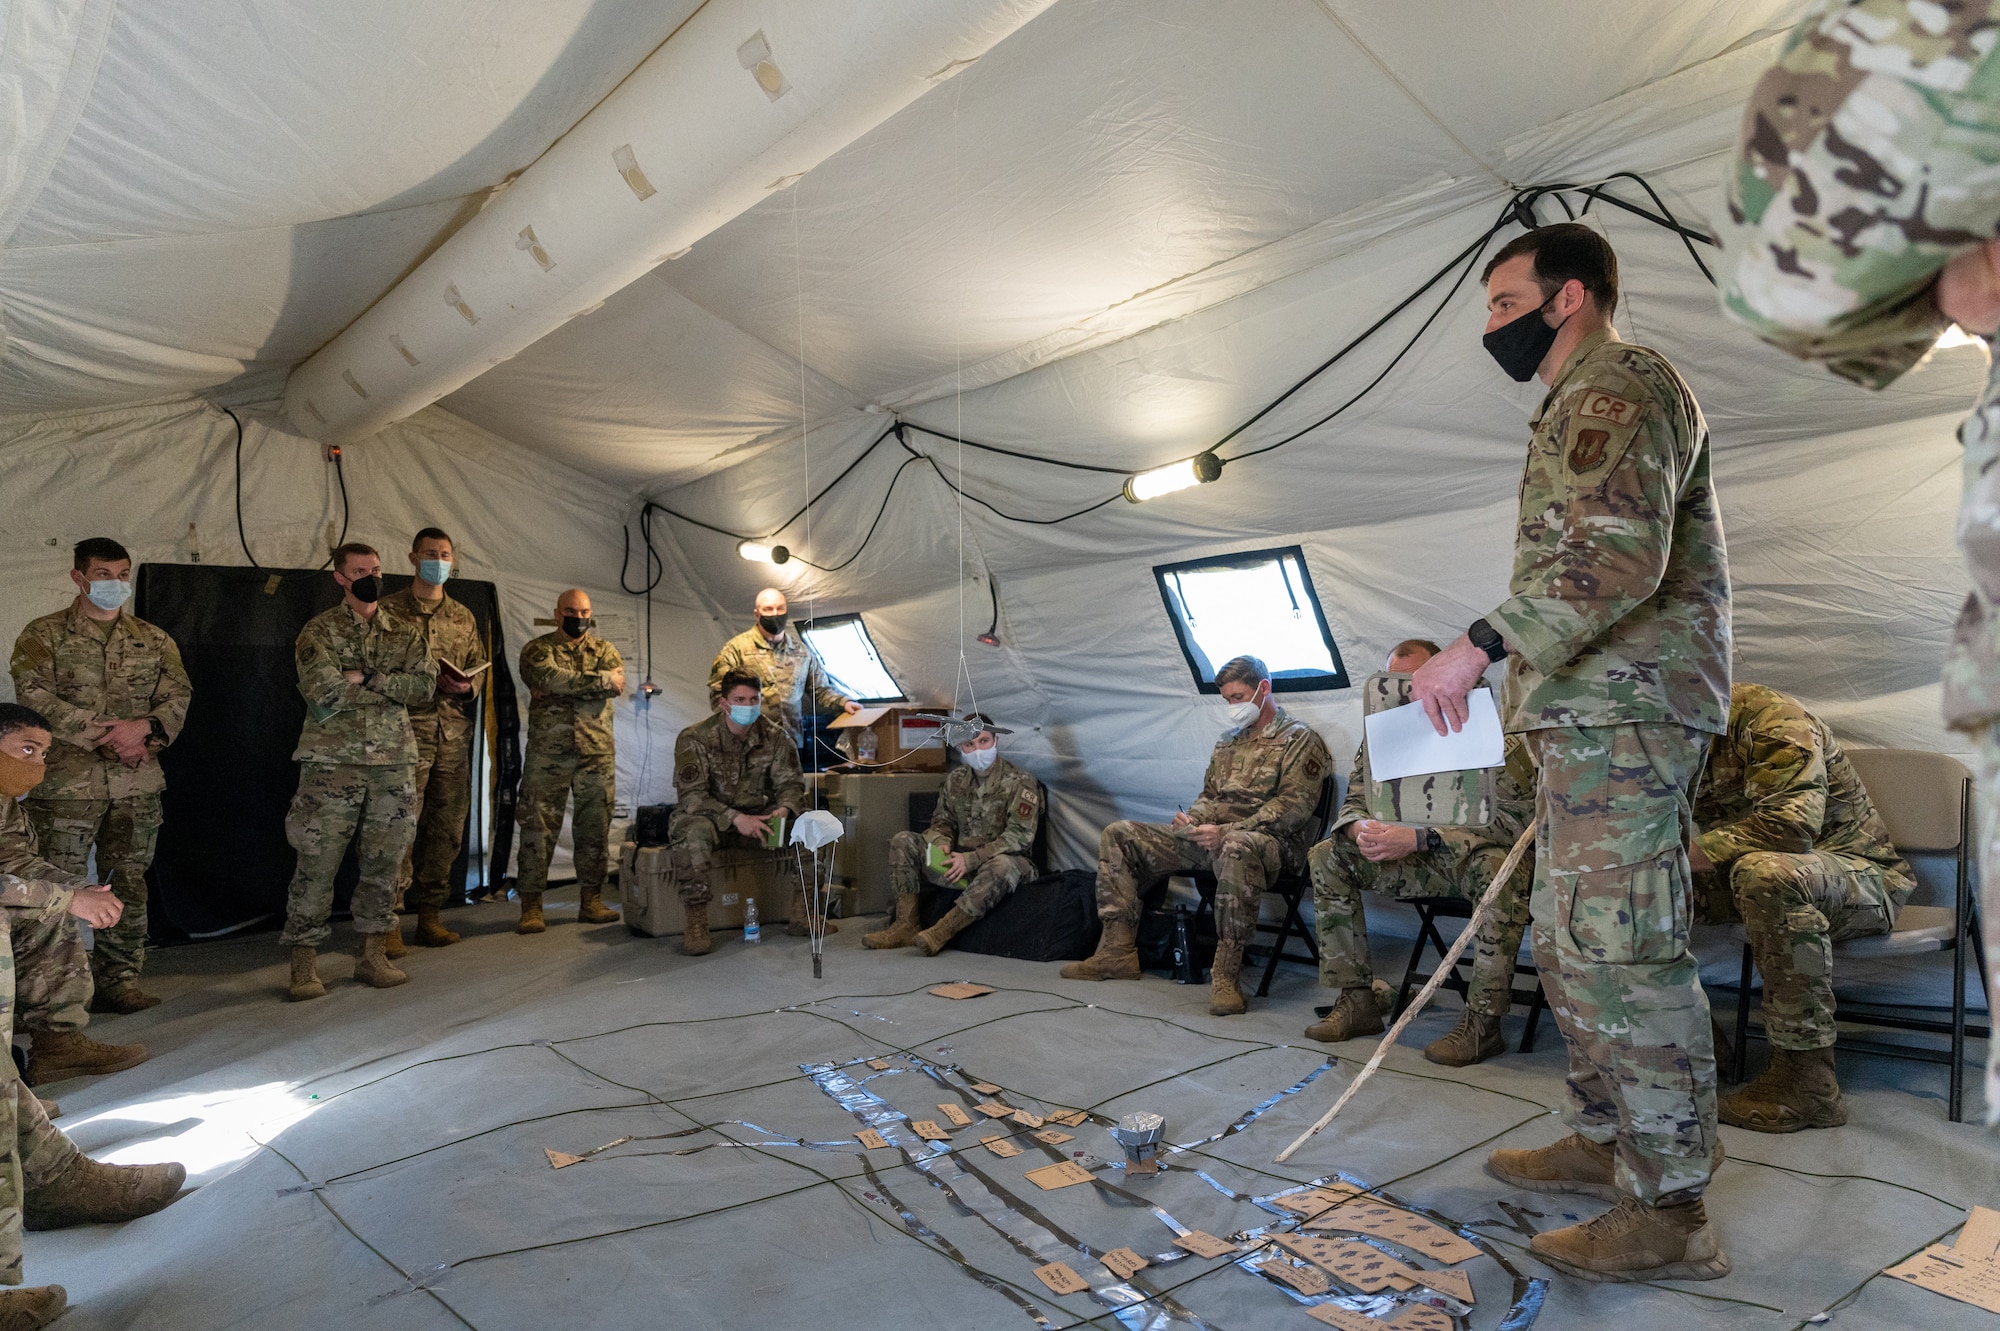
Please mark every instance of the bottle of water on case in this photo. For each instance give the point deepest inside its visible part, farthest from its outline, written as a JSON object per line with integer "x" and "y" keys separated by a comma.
{"x": 753, "y": 932}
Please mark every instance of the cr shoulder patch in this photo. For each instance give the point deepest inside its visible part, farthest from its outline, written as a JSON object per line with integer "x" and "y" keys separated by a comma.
{"x": 1610, "y": 407}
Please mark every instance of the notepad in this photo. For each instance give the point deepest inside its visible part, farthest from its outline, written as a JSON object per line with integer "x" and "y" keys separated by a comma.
{"x": 1402, "y": 742}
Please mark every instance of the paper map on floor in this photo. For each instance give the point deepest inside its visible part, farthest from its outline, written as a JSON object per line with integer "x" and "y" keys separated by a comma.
{"x": 959, "y": 1118}
{"x": 1205, "y": 1245}
{"x": 1058, "y": 1277}
{"x": 1413, "y": 1317}
{"x": 1050, "y": 1177}
{"x": 872, "y": 1139}
{"x": 1399, "y": 1227}
{"x": 561, "y": 1159}
{"x": 962, "y": 990}
{"x": 1301, "y": 1278}
{"x": 1124, "y": 1263}
{"x": 1968, "y": 1272}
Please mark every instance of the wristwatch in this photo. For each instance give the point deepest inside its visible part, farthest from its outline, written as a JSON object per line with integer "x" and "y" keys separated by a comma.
{"x": 159, "y": 731}
{"x": 1487, "y": 639}
{"x": 1433, "y": 839}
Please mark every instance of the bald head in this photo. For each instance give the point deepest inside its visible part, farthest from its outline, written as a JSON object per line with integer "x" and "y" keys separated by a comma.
{"x": 1410, "y": 653}
{"x": 771, "y": 611}
{"x": 573, "y": 612}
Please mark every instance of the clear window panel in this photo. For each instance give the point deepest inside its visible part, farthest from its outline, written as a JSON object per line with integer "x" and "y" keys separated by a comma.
{"x": 850, "y": 658}
{"x": 1260, "y": 604}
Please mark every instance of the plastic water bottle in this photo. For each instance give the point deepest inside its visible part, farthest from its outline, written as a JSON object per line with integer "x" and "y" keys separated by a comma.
{"x": 753, "y": 932}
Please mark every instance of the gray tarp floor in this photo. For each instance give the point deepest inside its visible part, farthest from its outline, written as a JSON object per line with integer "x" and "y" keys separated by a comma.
{"x": 376, "y": 1159}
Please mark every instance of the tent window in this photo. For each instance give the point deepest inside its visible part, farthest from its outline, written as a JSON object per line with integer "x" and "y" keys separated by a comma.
{"x": 850, "y": 658}
{"x": 1260, "y": 603}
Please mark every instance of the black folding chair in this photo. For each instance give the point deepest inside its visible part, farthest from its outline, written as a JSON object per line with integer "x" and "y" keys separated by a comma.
{"x": 1292, "y": 889}
{"x": 1429, "y": 911}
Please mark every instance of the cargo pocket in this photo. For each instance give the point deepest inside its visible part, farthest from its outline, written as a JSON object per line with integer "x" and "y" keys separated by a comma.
{"x": 1635, "y": 914}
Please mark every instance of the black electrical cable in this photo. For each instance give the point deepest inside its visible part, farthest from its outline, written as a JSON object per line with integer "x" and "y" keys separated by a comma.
{"x": 1015, "y": 453}
{"x": 241, "y": 539}
{"x": 339, "y": 474}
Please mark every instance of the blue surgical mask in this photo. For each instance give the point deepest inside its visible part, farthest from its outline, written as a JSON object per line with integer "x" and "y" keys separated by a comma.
{"x": 745, "y": 714}
{"x": 110, "y": 593}
{"x": 434, "y": 571}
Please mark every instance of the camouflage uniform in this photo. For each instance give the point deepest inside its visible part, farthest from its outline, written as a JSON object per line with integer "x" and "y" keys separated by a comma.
{"x": 991, "y": 818}
{"x": 1802, "y": 858}
{"x": 1261, "y": 788}
{"x": 443, "y": 730}
{"x": 48, "y": 986}
{"x": 789, "y": 671}
{"x": 357, "y": 762}
{"x": 1866, "y": 161}
{"x": 1618, "y": 625}
{"x": 716, "y": 776}
{"x": 1470, "y": 858}
{"x": 74, "y": 670}
{"x": 570, "y": 749}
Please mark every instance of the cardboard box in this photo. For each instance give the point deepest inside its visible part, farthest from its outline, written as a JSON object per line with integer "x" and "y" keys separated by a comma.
{"x": 653, "y": 907}
{"x": 904, "y": 738}
{"x": 872, "y": 807}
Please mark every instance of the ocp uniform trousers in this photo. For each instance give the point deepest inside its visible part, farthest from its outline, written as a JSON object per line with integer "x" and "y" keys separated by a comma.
{"x": 124, "y": 831}
{"x": 548, "y": 781}
{"x": 375, "y": 808}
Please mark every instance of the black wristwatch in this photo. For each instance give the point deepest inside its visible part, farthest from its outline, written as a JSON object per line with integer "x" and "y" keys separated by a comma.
{"x": 1487, "y": 639}
{"x": 1433, "y": 839}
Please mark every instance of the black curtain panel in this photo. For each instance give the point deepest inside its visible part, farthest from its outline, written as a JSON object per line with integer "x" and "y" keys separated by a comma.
{"x": 223, "y": 862}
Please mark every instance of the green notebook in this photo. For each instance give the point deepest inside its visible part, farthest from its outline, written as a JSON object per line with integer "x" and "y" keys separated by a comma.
{"x": 775, "y": 838}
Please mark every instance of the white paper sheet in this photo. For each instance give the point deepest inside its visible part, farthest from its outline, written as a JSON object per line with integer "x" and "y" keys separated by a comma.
{"x": 1401, "y": 741}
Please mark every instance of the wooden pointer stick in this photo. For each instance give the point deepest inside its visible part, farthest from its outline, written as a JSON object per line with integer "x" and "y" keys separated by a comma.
{"x": 1451, "y": 956}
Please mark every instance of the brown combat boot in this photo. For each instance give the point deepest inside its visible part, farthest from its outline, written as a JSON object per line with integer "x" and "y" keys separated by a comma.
{"x": 1356, "y": 1014}
{"x": 1796, "y": 1090}
{"x": 590, "y": 907}
{"x": 431, "y": 931}
{"x": 1116, "y": 958}
{"x": 32, "y": 1308}
{"x": 1574, "y": 1164}
{"x": 1633, "y": 1241}
{"x": 933, "y": 939}
{"x": 55, "y": 1055}
{"x": 1475, "y": 1039}
{"x": 372, "y": 965}
{"x": 120, "y": 998}
{"x": 1225, "y": 995}
{"x": 800, "y": 923}
{"x": 902, "y": 930}
{"x": 531, "y": 914}
{"x": 305, "y": 975}
{"x": 694, "y": 936}
{"x": 92, "y": 1193}
{"x": 392, "y": 942}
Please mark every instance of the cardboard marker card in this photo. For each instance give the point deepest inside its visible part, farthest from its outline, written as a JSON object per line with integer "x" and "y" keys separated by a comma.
{"x": 1124, "y": 1263}
{"x": 1066, "y": 1174}
{"x": 1455, "y": 1283}
{"x": 872, "y": 1139}
{"x": 561, "y": 1159}
{"x": 929, "y": 1131}
{"x": 959, "y": 1118}
{"x": 1027, "y": 1120}
{"x": 1050, "y": 1137}
{"x": 1413, "y": 1317}
{"x": 961, "y": 990}
{"x": 1069, "y": 1118}
{"x": 1301, "y": 1278}
{"x": 993, "y": 1110}
{"x": 1205, "y": 1245}
{"x": 1314, "y": 1201}
{"x": 1398, "y": 1226}
{"x": 879, "y": 1064}
{"x": 1001, "y": 1147}
{"x": 985, "y": 1088}
{"x": 1059, "y": 1278}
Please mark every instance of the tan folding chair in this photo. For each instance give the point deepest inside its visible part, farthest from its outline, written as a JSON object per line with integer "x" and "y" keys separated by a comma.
{"x": 1926, "y": 799}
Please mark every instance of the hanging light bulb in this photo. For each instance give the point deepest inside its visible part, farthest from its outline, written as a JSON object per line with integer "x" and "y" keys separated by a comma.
{"x": 1197, "y": 470}
{"x": 759, "y": 553}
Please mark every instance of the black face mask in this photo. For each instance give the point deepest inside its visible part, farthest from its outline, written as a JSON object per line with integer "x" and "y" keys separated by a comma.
{"x": 1521, "y": 345}
{"x": 772, "y": 625}
{"x": 366, "y": 590}
{"x": 576, "y": 625}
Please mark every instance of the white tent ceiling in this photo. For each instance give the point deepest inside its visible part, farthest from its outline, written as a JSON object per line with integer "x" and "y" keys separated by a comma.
{"x": 1122, "y": 231}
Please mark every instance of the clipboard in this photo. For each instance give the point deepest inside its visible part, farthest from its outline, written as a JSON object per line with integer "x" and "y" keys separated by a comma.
{"x": 1433, "y": 799}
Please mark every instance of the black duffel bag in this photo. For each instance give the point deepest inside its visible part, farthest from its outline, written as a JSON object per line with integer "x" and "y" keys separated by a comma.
{"x": 1051, "y": 918}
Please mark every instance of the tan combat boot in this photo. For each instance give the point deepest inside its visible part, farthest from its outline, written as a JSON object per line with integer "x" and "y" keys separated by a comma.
{"x": 54, "y": 1055}
{"x": 590, "y": 907}
{"x": 1796, "y": 1090}
{"x": 120, "y": 998}
{"x": 799, "y": 925}
{"x": 372, "y": 965}
{"x": 1225, "y": 995}
{"x": 1574, "y": 1164}
{"x": 902, "y": 930}
{"x": 431, "y": 931}
{"x": 305, "y": 975}
{"x": 1357, "y": 1013}
{"x": 92, "y": 1193}
{"x": 694, "y": 937}
{"x": 1475, "y": 1039}
{"x": 933, "y": 939}
{"x": 32, "y": 1308}
{"x": 1633, "y": 1241}
{"x": 531, "y": 914}
{"x": 392, "y": 942}
{"x": 1116, "y": 958}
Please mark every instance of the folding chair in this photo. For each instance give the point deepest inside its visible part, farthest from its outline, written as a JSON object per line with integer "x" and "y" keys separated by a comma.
{"x": 1926, "y": 799}
{"x": 1292, "y": 888}
{"x": 1429, "y": 911}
